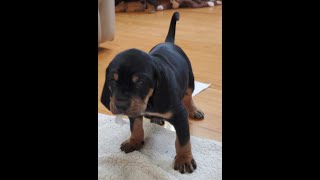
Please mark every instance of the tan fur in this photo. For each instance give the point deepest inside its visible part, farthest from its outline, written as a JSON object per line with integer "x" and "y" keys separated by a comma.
{"x": 137, "y": 105}
{"x": 135, "y": 142}
{"x": 137, "y": 133}
{"x": 184, "y": 161}
{"x": 116, "y": 76}
{"x": 135, "y": 78}
{"x": 189, "y": 104}
{"x": 183, "y": 152}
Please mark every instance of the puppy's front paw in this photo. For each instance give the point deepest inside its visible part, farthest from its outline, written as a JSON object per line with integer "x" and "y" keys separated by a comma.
{"x": 131, "y": 145}
{"x": 197, "y": 114}
{"x": 185, "y": 164}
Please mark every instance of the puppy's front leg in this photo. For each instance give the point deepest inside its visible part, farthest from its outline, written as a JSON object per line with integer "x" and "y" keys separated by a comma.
{"x": 184, "y": 161}
{"x": 135, "y": 142}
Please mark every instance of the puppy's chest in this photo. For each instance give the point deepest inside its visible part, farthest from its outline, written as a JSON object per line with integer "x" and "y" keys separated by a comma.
{"x": 152, "y": 111}
{"x": 152, "y": 108}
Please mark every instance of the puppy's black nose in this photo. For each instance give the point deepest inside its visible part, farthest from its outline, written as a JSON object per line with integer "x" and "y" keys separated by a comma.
{"x": 122, "y": 105}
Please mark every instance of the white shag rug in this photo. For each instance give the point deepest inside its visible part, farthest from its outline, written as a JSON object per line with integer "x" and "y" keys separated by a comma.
{"x": 155, "y": 159}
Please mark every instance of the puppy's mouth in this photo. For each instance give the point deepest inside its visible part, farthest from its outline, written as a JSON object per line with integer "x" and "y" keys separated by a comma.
{"x": 133, "y": 108}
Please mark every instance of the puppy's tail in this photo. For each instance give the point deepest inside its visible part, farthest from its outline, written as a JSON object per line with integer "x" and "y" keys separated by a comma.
{"x": 172, "y": 28}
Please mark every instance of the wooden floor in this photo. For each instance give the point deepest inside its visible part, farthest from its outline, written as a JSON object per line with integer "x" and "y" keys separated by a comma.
{"x": 199, "y": 33}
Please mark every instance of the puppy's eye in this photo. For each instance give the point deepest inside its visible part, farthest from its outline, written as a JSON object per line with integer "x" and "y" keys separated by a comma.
{"x": 113, "y": 82}
{"x": 139, "y": 83}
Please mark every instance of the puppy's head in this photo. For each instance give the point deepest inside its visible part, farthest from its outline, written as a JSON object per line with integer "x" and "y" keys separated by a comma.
{"x": 129, "y": 83}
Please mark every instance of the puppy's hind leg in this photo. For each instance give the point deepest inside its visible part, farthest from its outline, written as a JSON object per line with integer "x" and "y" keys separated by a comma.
{"x": 158, "y": 121}
{"x": 193, "y": 111}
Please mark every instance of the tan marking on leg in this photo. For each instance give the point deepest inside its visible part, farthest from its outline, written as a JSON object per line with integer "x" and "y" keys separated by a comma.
{"x": 184, "y": 161}
{"x": 137, "y": 133}
{"x": 135, "y": 142}
{"x": 183, "y": 151}
{"x": 193, "y": 111}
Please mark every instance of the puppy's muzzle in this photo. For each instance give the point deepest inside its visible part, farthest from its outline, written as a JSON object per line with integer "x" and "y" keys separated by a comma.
{"x": 122, "y": 104}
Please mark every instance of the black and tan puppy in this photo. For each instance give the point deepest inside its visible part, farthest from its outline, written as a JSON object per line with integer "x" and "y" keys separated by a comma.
{"x": 157, "y": 85}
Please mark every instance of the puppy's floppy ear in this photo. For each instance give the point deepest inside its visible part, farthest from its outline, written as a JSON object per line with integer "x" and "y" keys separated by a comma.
{"x": 106, "y": 94}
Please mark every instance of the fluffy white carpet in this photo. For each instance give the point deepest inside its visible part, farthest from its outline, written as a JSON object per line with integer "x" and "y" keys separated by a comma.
{"x": 155, "y": 159}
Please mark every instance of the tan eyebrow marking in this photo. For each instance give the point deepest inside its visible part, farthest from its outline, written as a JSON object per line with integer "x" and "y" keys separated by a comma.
{"x": 115, "y": 76}
{"x": 135, "y": 78}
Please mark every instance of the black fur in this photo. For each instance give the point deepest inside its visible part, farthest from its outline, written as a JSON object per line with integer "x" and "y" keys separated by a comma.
{"x": 172, "y": 28}
{"x": 131, "y": 123}
{"x": 166, "y": 69}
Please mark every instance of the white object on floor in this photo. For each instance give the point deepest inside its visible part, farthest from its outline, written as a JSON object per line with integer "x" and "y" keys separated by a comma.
{"x": 218, "y": 2}
{"x": 198, "y": 87}
{"x": 160, "y": 8}
{"x": 155, "y": 159}
{"x": 210, "y": 3}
